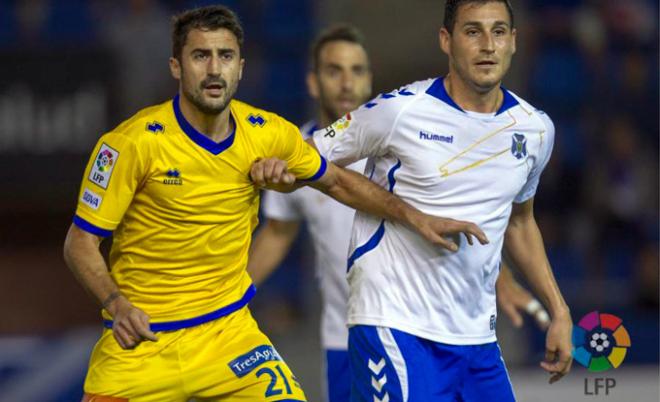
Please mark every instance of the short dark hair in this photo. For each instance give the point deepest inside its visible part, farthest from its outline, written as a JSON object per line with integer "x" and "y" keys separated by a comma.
{"x": 452, "y": 6}
{"x": 208, "y": 18}
{"x": 340, "y": 32}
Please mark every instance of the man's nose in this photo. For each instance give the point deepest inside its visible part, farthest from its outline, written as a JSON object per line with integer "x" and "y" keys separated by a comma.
{"x": 488, "y": 43}
{"x": 213, "y": 66}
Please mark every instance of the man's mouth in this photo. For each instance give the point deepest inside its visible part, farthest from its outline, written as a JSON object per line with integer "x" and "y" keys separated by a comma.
{"x": 346, "y": 103}
{"x": 486, "y": 63}
{"x": 214, "y": 89}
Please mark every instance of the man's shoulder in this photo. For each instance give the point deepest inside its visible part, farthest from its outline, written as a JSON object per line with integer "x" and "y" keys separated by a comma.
{"x": 147, "y": 123}
{"x": 535, "y": 115}
{"x": 389, "y": 105}
{"x": 401, "y": 96}
{"x": 253, "y": 116}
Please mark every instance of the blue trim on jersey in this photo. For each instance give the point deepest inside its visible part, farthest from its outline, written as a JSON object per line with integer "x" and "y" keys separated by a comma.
{"x": 438, "y": 90}
{"x": 380, "y": 232}
{"x": 199, "y": 138}
{"x": 390, "y": 175}
{"x": 192, "y": 322}
{"x": 507, "y": 102}
{"x": 88, "y": 227}
{"x": 319, "y": 173}
{"x": 368, "y": 246}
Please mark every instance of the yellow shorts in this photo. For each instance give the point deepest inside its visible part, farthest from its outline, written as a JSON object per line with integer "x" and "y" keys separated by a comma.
{"x": 227, "y": 360}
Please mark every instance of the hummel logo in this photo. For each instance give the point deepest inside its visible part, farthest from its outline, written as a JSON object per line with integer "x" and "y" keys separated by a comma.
{"x": 423, "y": 135}
{"x": 376, "y": 368}
{"x": 378, "y": 383}
{"x": 386, "y": 398}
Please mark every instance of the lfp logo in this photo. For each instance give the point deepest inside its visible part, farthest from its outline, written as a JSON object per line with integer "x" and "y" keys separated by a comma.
{"x": 104, "y": 161}
{"x": 600, "y": 341}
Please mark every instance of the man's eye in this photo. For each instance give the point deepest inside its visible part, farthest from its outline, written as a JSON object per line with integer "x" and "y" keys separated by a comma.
{"x": 332, "y": 72}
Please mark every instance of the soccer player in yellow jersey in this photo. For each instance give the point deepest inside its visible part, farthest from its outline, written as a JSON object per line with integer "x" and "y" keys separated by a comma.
{"x": 173, "y": 186}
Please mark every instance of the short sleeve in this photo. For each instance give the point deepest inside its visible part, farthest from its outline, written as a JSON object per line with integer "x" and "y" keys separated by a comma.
{"x": 109, "y": 182}
{"x": 280, "y": 206}
{"x": 546, "y": 143}
{"x": 362, "y": 133}
{"x": 302, "y": 159}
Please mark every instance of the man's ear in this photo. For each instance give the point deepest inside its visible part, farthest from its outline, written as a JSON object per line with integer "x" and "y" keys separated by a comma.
{"x": 444, "y": 37}
{"x": 313, "y": 85}
{"x": 175, "y": 68}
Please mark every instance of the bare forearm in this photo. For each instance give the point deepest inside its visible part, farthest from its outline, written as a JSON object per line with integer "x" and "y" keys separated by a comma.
{"x": 356, "y": 191}
{"x": 505, "y": 280}
{"x": 359, "y": 193}
{"x": 84, "y": 259}
{"x": 524, "y": 246}
{"x": 269, "y": 247}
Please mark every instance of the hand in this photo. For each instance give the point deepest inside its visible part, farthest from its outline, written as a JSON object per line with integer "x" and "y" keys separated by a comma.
{"x": 130, "y": 324}
{"x": 558, "y": 346}
{"x": 270, "y": 171}
{"x": 437, "y": 230}
{"x": 513, "y": 299}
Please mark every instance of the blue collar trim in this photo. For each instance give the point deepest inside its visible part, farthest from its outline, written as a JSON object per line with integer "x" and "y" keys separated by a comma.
{"x": 437, "y": 90}
{"x": 200, "y": 139}
{"x": 508, "y": 101}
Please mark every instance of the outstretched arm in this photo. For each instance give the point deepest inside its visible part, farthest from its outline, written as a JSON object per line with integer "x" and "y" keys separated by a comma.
{"x": 82, "y": 255}
{"x": 524, "y": 245}
{"x": 270, "y": 246}
{"x": 354, "y": 190}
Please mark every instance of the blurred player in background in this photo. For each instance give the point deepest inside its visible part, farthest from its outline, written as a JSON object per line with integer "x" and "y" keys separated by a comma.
{"x": 340, "y": 80}
{"x": 173, "y": 184}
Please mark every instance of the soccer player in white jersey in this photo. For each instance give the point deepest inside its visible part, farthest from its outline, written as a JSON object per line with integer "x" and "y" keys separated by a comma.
{"x": 422, "y": 319}
{"x": 339, "y": 80}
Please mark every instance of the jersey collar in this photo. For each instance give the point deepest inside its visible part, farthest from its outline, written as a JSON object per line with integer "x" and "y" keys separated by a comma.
{"x": 198, "y": 138}
{"x": 437, "y": 90}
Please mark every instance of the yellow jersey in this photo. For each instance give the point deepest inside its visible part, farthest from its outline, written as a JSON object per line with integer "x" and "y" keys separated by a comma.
{"x": 182, "y": 207}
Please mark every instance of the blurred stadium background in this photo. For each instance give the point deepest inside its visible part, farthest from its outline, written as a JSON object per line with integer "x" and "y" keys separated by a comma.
{"x": 73, "y": 69}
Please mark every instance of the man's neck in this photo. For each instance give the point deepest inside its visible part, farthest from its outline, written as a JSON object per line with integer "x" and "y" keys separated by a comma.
{"x": 470, "y": 99}
{"x": 216, "y": 127}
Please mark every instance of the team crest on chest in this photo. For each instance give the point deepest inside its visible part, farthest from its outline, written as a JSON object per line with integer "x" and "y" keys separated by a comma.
{"x": 519, "y": 146}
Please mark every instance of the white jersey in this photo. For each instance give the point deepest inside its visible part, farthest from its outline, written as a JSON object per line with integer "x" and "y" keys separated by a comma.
{"x": 329, "y": 224}
{"x": 445, "y": 162}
